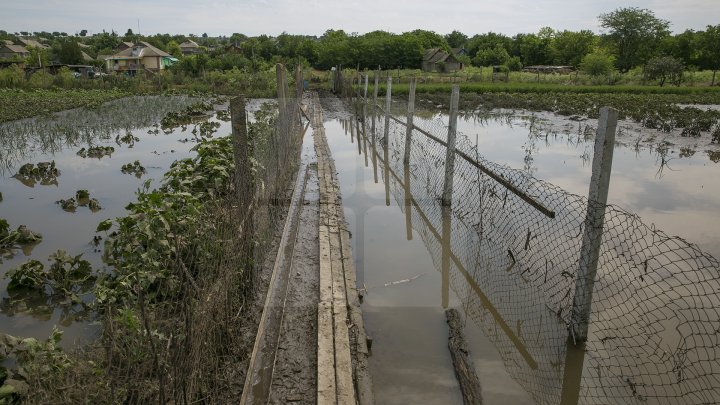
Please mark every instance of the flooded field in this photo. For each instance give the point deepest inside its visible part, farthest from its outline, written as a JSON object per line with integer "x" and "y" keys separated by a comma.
{"x": 111, "y": 152}
{"x": 415, "y": 258}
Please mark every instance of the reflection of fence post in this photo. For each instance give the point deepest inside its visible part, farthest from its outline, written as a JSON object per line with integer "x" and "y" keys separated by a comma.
{"x": 410, "y": 113}
{"x": 445, "y": 260}
{"x": 450, "y": 153}
{"x": 408, "y": 201}
{"x": 594, "y": 221}
{"x": 244, "y": 181}
{"x": 388, "y": 104}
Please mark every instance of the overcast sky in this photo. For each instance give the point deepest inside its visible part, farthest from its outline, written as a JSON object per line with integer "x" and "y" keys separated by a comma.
{"x": 313, "y": 17}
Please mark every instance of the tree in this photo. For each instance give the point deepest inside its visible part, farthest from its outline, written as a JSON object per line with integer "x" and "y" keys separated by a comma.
{"x": 597, "y": 63}
{"x": 83, "y": 33}
{"x": 634, "y": 33}
{"x": 174, "y": 49}
{"x": 709, "y": 49}
{"x": 491, "y": 57}
{"x": 67, "y": 51}
{"x": 38, "y": 57}
{"x": 456, "y": 39}
{"x": 569, "y": 48}
{"x": 665, "y": 68}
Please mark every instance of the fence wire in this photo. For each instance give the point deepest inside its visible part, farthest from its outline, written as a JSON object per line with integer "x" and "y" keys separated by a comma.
{"x": 187, "y": 336}
{"x": 655, "y": 322}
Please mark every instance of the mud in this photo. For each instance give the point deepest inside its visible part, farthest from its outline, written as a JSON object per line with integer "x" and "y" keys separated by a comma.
{"x": 295, "y": 377}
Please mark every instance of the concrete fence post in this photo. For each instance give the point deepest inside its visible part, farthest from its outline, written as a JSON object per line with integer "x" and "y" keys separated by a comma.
{"x": 410, "y": 113}
{"x": 388, "y": 105}
{"x": 450, "y": 153}
{"x": 375, "y": 96}
{"x": 594, "y": 222}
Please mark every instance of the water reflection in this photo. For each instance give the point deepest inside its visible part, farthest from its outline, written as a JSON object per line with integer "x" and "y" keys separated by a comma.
{"x": 499, "y": 292}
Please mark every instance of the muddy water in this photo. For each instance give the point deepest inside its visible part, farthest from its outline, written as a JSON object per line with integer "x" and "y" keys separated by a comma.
{"x": 518, "y": 344}
{"x": 58, "y": 138}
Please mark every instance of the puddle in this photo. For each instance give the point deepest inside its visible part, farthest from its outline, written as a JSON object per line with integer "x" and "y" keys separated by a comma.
{"x": 58, "y": 138}
{"x": 415, "y": 258}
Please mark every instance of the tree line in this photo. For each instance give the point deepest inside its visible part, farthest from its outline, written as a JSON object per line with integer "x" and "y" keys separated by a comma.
{"x": 632, "y": 37}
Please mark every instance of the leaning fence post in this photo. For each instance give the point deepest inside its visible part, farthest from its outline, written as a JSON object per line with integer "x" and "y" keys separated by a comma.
{"x": 594, "y": 221}
{"x": 244, "y": 181}
{"x": 450, "y": 153}
{"x": 388, "y": 104}
{"x": 410, "y": 113}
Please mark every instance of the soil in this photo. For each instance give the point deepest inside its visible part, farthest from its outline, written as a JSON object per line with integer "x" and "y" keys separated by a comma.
{"x": 295, "y": 373}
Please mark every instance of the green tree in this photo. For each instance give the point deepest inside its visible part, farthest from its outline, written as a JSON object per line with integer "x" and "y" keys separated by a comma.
{"x": 173, "y": 48}
{"x": 597, "y": 63}
{"x": 634, "y": 33}
{"x": 569, "y": 47}
{"x": 491, "y": 56}
{"x": 38, "y": 57}
{"x": 709, "y": 49}
{"x": 67, "y": 50}
{"x": 665, "y": 68}
{"x": 456, "y": 39}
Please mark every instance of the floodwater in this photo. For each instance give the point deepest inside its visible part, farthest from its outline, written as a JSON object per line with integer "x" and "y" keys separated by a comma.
{"x": 59, "y": 137}
{"x": 653, "y": 335}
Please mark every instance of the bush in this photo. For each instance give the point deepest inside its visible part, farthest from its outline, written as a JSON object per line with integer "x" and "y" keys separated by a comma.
{"x": 597, "y": 63}
{"x": 12, "y": 76}
{"x": 665, "y": 68}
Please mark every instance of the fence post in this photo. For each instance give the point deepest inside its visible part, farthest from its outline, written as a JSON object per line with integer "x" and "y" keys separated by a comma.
{"x": 410, "y": 113}
{"x": 244, "y": 180}
{"x": 594, "y": 221}
{"x": 375, "y": 96}
{"x": 450, "y": 153}
{"x": 408, "y": 201}
{"x": 445, "y": 259}
{"x": 366, "y": 87}
{"x": 388, "y": 104}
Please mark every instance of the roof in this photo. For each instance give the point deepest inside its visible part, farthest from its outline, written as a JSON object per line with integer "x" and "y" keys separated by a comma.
{"x": 81, "y": 45}
{"x": 86, "y": 57}
{"x": 7, "y": 42}
{"x": 189, "y": 44}
{"x": 145, "y": 50}
{"x": 435, "y": 55}
{"x": 31, "y": 42}
{"x": 15, "y": 48}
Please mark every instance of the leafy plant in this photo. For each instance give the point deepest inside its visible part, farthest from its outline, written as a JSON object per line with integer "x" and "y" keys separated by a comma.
{"x": 133, "y": 168}
{"x": 97, "y": 152}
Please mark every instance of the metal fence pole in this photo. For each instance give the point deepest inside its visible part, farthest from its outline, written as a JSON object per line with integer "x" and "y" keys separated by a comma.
{"x": 410, "y": 113}
{"x": 594, "y": 221}
{"x": 450, "y": 153}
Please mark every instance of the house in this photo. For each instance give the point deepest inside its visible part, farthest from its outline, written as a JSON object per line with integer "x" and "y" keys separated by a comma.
{"x": 86, "y": 58}
{"x": 459, "y": 51}
{"x": 190, "y": 47}
{"x": 437, "y": 60}
{"x": 123, "y": 46}
{"x": 234, "y": 48}
{"x": 13, "y": 52}
{"x": 141, "y": 57}
{"x": 31, "y": 43}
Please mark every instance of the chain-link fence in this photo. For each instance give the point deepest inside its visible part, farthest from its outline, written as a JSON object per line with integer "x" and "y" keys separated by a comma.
{"x": 179, "y": 303}
{"x": 510, "y": 246}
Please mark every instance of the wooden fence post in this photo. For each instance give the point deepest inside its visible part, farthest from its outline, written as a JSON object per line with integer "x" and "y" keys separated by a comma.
{"x": 594, "y": 221}
{"x": 446, "y": 250}
{"x": 410, "y": 113}
{"x": 450, "y": 153}
{"x": 388, "y": 105}
{"x": 366, "y": 87}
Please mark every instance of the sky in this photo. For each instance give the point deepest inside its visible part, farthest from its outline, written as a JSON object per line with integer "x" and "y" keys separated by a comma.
{"x": 313, "y": 17}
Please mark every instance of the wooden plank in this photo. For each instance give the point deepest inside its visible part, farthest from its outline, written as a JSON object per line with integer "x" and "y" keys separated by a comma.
{"x": 326, "y": 388}
{"x": 326, "y": 289}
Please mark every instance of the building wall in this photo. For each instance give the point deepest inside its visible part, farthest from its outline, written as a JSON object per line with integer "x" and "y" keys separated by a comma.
{"x": 151, "y": 62}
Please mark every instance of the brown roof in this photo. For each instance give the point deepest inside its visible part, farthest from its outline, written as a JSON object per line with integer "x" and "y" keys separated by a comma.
{"x": 16, "y": 48}
{"x": 86, "y": 57}
{"x": 31, "y": 42}
{"x": 435, "y": 55}
{"x": 189, "y": 44}
{"x": 145, "y": 49}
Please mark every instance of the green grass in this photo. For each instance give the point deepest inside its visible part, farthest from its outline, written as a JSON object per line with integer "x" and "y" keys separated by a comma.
{"x": 17, "y": 104}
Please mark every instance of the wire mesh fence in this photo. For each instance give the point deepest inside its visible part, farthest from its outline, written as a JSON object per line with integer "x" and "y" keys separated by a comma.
{"x": 510, "y": 247}
{"x": 177, "y": 307}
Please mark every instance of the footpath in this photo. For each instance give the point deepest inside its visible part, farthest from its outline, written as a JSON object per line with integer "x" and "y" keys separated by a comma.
{"x": 311, "y": 346}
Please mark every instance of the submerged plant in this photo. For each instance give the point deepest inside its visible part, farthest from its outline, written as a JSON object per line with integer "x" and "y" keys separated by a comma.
{"x": 21, "y": 236}
{"x": 134, "y": 168}
{"x": 45, "y": 173}
{"x": 69, "y": 205}
{"x": 128, "y": 139}
{"x": 97, "y": 152}
{"x": 66, "y": 277}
